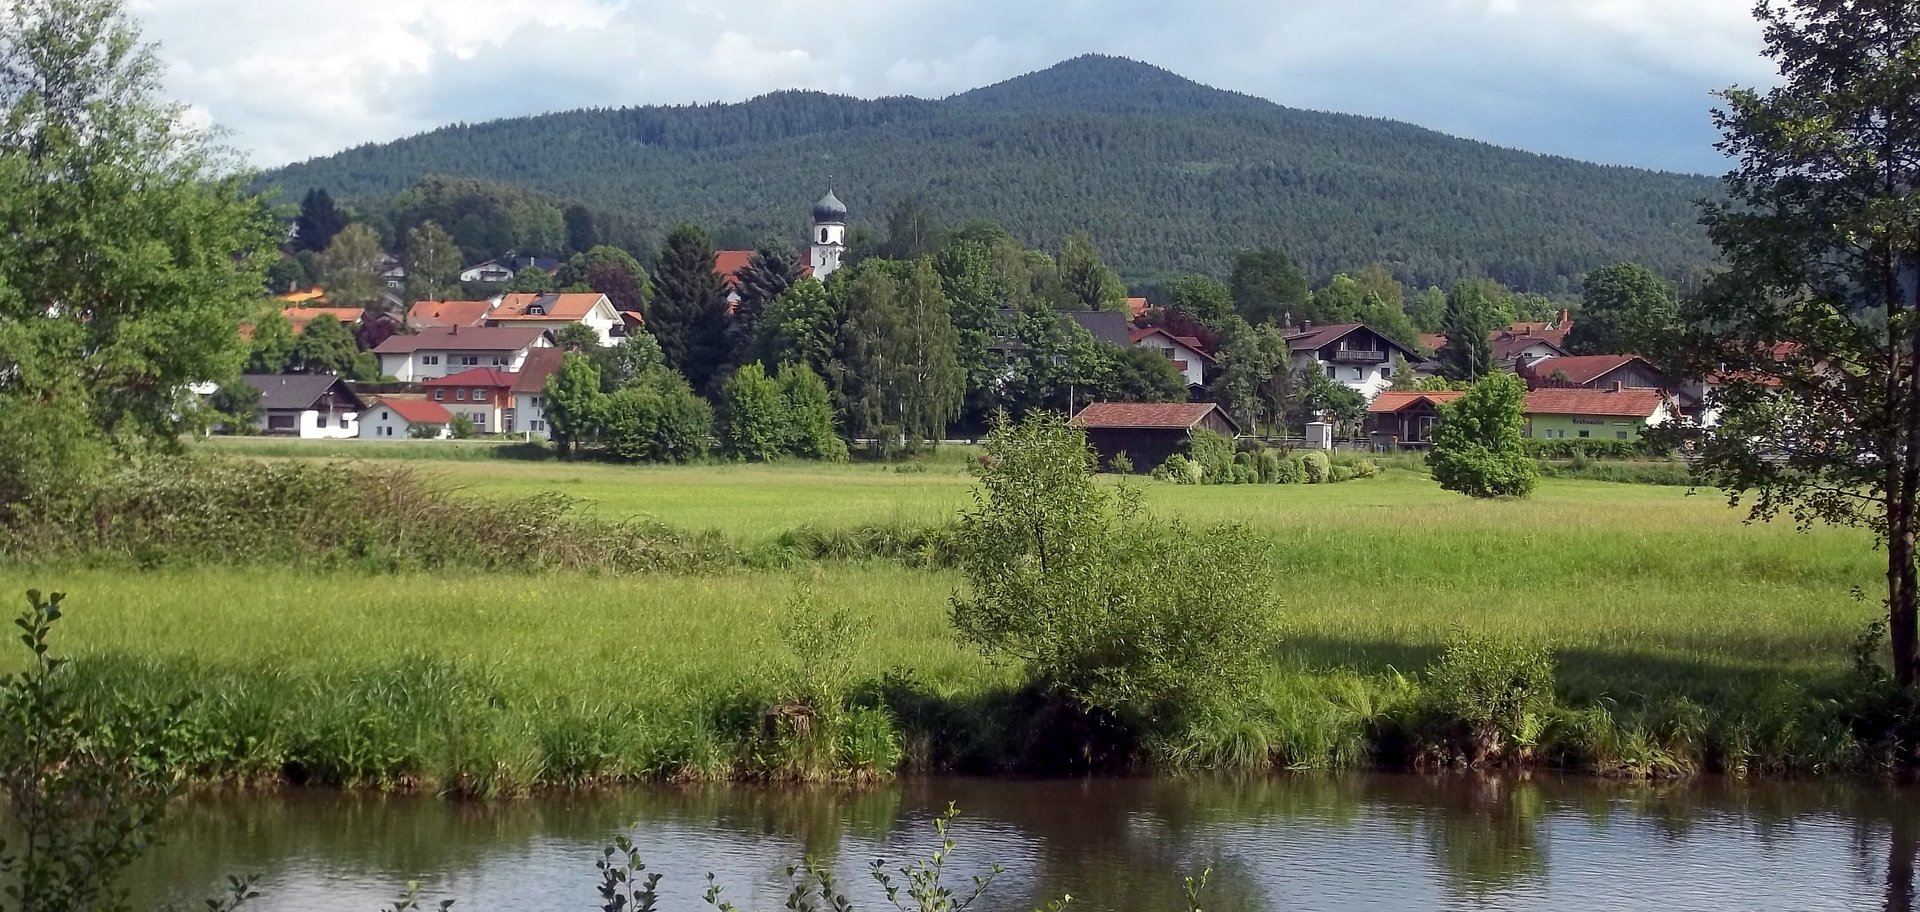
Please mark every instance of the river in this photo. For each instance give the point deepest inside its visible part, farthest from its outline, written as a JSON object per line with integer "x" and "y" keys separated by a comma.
{"x": 1285, "y": 842}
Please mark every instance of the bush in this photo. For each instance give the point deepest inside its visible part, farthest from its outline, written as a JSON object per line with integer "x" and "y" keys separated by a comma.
{"x": 1101, "y": 606}
{"x": 462, "y": 427}
{"x": 1243, "y": 475}
{"x": 1121, "y": 464}
{"x": 753, "y": 423}
{"x": 1213, "y": 453}
{"x": 1291, "y": 470}
{"x": 1571, "y": 447}
{"x": 1269, "y": 462}
{"x": 1178, "y": 469}
{"x": 1498, "y": 693}
{"x": 1316, "y": 468}
{"x": 1478, "y": 449}
{"x": 659, "y": 419}
{"x": 812, "y": 434}
{"x": 1340, "y": 475}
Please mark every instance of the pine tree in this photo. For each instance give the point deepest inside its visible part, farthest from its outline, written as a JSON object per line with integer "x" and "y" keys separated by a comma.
{"x": 1468, "y": 354}
{"x": 433, "y": 264}
{"x": 768, "y": 274}
{"x": 689, "y": 314}
{"x": 802, "y": 326}
{"x": 319, "y": 221}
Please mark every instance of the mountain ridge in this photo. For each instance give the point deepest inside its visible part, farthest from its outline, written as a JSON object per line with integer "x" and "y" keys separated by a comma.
{"x": 1167, "y": 174}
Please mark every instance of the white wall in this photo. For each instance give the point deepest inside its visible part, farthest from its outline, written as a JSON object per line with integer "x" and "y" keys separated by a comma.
{"x": 1368, "y": 380}
{"x": 379, "y": 423}
{"x": 528, "y": 415}
{"x": 1196, "y": 369}
{"x": 427, "y": 364}
{"x": 313, "y": 424}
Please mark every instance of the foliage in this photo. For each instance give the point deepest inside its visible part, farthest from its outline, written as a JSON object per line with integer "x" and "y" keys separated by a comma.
{"x": 1625, "y": 309}
{"x": 572, "y": 402}
{"x": 1121, "y": 464}
{"x": 609, "y": 271}
{"x": 1083, "y": 281}
{"x": 1316, "y": 468}
{"x": 898, "y": 374}
{"x": 657, "y": 419}
{"x": 800, "y": 327}
{"x": 1202, "y": 298}
{"x": 532, "y": 280}
{"x": 433, "y": 264}
{"x": 1814, "y": 328}
{"x": 349, "y": 269}
{"x": 1049, "y": 360}
{"x": 130, "y": 256}
{"x": 270, "y": 346}
{"x": 1478, "y": 447}
{"x": 1317, "y": 398}
{"x": 1501, "y": 690}
{"x": 1177, "y": 176}
{"x": 489, "y": 221}
{"x": 1138, "y": 618}
{"x": 461, "y": 427}
{"x": 809, "y": 409}
{"x": 1468, "y": 323}
{"x": 1251, "y": 381}
{"x": 1268, "y": 287}
{"x": 238, "y": 405}
{"x": 1213, "y": 453}
{"x": 620, "y": 365}
{"x": 754, "y": 423}
{"x": 1136, "y": 374}
{"x": 689, "y": 313}
{"x": 318, "y": 222}
{"x": 767, "y": 275}
{"x": 326, "y": 346}
{"x": 577, "y": 337}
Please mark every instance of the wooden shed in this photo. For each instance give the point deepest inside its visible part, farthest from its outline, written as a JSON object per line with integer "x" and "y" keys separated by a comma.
{"x": 1148, "y": 432}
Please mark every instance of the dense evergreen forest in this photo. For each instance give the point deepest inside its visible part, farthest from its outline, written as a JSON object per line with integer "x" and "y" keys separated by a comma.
{"x": 1167, "y": 175}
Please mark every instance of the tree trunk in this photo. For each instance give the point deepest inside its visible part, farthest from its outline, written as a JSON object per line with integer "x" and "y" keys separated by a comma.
{"x": 1902, "y": 597}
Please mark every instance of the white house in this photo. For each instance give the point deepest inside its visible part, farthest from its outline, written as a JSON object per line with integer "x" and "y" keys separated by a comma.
{"x": 554, "y": 311}
{"x": 491, "y": 272}
{"x": 530, "y": 391}
{"x": 438, "y": 351}
{"x": 1350, "y": 354}
{"x": 308, "y": 406}
{"x": 1183, "y": 351}
{"x": 400, "y": 419}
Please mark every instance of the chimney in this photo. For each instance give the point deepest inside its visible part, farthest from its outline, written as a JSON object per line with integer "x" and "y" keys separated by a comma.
{"x": 1565, "y": 318}
{"x": 1306, "y": 326}
{"x": 1618, "y": 386}
{"x": 454, "y": 330}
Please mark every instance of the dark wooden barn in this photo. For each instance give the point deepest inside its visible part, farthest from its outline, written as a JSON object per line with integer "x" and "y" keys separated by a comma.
{"x": 1148, "y": 432}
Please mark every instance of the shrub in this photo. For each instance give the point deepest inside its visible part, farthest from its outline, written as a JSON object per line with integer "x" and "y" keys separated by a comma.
{"x": 1243, "y": 475}
{"x": 1316, "y": 467}
{"x": 1269, "y": 462}
{"x": 753, "y": 423}
{"x": 1213, "y": 453}
{"x": 1121, "y": 464}
{"x": 1478, "y": 449}
{"x": 462, "y": 427}
{"x": 1101, "y": 606}
{"x": 1498, "y": 692}
{"x": 810, "y": 411}
{"x": 659, "y": 419}
{"x": 1179, "y": 470}
{"x": 1340, "y": 475}
{"x": 1291, "y": 470}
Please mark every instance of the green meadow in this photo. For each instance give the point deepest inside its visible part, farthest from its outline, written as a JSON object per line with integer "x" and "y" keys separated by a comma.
{"x": 1693, "y": 630}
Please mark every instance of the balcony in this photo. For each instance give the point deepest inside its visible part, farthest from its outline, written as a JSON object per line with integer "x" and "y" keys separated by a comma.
{"x": 1359, "y": 357}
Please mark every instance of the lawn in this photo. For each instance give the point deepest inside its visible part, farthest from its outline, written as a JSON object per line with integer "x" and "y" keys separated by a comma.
{"x": 1645, "y": 593}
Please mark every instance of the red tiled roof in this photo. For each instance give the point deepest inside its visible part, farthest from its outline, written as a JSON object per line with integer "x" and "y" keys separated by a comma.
{"x": 1189, "y": 342}
{"x": 416, "y": 411}
{"x": 1626, "y": 403}
{"x": 557, "y": 306}
{"x": 540, "y": 364}
{"x": 1581, "y": 369}
{"x": 728, "y": 263}
{"x": 1136, "y": 308}
{"x": 1392, "y": 401}
{"x": 1507, "y": 346}
{"x": 457, "y": 338}
{"x": 1433, "y": 341}
{"x": 475, "y": 376}
{"x": 427, "y": 314}
{"x": 1173, "y": 416}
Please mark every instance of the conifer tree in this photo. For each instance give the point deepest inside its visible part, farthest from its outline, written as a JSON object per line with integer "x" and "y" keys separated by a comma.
{"x": 689, "y": 314}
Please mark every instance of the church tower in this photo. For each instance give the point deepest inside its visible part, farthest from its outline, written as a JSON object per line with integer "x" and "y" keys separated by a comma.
{"x": 829, "y": 239}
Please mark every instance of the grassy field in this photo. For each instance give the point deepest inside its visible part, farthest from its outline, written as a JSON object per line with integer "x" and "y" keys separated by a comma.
{"x": 1647, "y": 594}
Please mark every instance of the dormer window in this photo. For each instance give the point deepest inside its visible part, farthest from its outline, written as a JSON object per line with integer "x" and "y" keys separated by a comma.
{"x": 536, "y": 310}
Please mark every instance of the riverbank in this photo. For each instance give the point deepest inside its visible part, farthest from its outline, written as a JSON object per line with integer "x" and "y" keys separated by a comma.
{"x": 1684, "y": 639}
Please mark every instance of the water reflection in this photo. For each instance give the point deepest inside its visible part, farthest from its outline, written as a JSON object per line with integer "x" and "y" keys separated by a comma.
{"x": 1288, "y": 842}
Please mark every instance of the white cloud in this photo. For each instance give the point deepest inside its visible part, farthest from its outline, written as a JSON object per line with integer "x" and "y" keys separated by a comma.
{"x": 1618, "y": 80}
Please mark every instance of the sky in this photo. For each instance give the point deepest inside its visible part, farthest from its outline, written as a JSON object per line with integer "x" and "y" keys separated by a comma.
{"x": 1615, "y": 81}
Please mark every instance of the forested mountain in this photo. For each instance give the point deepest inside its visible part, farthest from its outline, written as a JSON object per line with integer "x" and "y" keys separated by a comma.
{"x": 1168, "y": 176}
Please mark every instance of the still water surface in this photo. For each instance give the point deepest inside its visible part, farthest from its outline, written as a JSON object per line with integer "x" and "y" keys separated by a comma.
{"x": 1294, "y": 842}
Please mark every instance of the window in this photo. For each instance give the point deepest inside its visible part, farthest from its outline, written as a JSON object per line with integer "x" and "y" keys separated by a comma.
{"x": 282, "y": 422}
{"x": 460, "y": 394}
{"x": 439, "y": 395}
{"x": 1358, "y": 373}
{"x": 1168, "y": 352}
{"x": 383, "y": 416}
{"x": 533, "y": 401}
{"x": 1387, "y": 371}
{"x": 1332, "y": 372}
{"x": 1619, "y": 435}
{"x": 537, "y": 425}
{"x": 343, "y": 419}
{"x": 823, "y": 235}
{"x": 480, "y": 395}
{"x": 1583, "y": 435}
{"x": 429, "y": 359}
{"x": 469, "y": 360}
{"x": 499, "y": 361}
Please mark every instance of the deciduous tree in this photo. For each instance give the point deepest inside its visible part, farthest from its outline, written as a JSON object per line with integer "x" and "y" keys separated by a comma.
{"x": 1479, "y": 446}
{"x": 1267, "y": 286}
{"x": 572, "y": 403}
{"x": 1084, "y": 281}
{"x": 1813, "y": 329}
{"x": 433, "y": 264}
{"x": 350, "y": 269}
{"x": 1625, "y": 310}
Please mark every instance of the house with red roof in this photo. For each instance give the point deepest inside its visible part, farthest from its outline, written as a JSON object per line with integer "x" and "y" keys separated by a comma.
{"x": 553, "y": 312}
{"x": 1595, "y": 372}
{"x": 530, "y": 390}
{"x": 442, "y": 314}
{"x": 1189, "y": 357}
{"x": 1616, "y": 413}
{"x": 1148, "y": 433}
{"x": 1406, "y": 418}
{"x": 402, "y": 418}
{"x": 299, "y": 317}
{"x": 1351, "y": 354}
{"x": 483, "y": 394}
{"x": 436, "y": 352}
